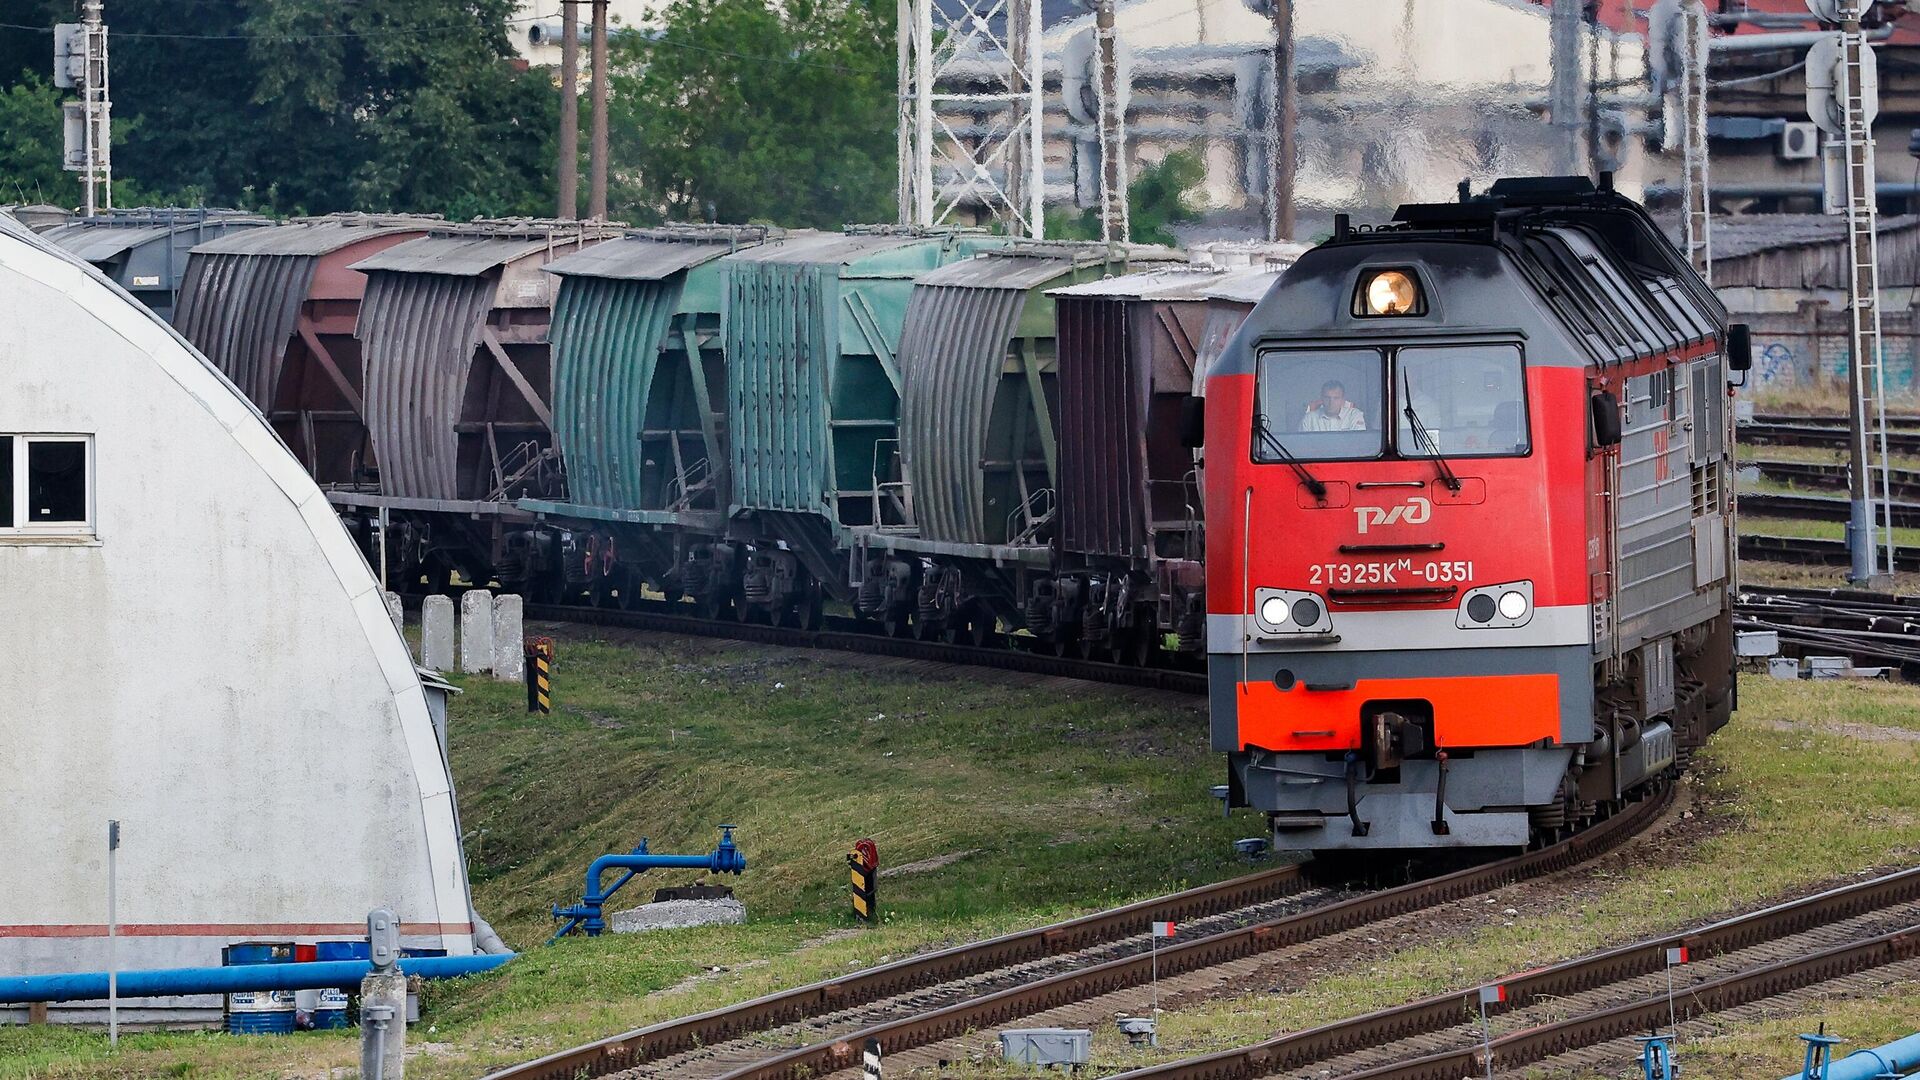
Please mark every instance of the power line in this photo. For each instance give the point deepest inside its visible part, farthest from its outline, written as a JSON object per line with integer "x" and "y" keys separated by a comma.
{"x": 389, "y": 32}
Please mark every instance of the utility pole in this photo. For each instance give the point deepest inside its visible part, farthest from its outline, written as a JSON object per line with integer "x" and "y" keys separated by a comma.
{"x": 1114, "y": 226}
{"x": 1282, "y": 115}
{"x": 96, "y": 111}
{"x": 1866, "y": 401}
{"x": 1026, "y": 162}
{"x": 597, "y": 197}
{"x": 1564, "y": 104}
{"x": 1693, "y": 137}
{"x": 569, "y": 111}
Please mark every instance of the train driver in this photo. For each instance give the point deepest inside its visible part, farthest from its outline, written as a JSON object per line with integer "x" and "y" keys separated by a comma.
{"x": 1332, "y": 411}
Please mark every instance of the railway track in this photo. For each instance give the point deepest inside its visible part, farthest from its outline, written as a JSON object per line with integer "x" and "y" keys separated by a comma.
{"x": 1805, "y": 432}
{"x": 1596, "y": 999}
{"x": 1811, "y": 551}
{"x": 819, "y": 1029}
{"x": 1817, "y": 507}
{"x": 853, "y": 635}
{"x": 1904, "y": 484}
{"x": 1871, "y": 628}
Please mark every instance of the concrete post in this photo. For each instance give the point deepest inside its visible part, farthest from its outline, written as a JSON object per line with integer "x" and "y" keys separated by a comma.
{"x": 476, "y": 631}
{"x": 436, "y": 633}
{"x": 395, "y": 609}
{"x": 509, "y": 657}
{"x": 383, "y": 1026}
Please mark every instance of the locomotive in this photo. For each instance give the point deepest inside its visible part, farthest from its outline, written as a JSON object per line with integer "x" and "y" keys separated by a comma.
{"x": 1469, "y": 492}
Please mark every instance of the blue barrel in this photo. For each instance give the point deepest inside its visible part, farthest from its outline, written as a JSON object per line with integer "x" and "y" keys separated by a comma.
{"x": 259, "y": 1012}
{"x": 332, "y": 1011}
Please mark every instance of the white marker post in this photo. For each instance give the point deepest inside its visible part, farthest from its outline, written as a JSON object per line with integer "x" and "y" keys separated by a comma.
{"x": 113, "y": 935}
{"x": 1160, "y": 930}
{"x": 1675, "y": 957}
{"x": 1489, "y": 995}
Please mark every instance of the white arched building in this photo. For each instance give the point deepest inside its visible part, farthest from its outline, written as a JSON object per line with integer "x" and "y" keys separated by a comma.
{"x": 194, "y": 647}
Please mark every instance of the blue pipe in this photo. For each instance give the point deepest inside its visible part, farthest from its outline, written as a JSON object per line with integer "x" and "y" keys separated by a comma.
{"x": 170, "y": 982}
{"x": 1894, "y": 1059}
{"x": 725, "y": 858}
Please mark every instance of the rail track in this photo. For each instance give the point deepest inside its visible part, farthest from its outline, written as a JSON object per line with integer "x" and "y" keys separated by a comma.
{"x": 1904, "y": 484}
{"x": 927, "y": 1000}
{"x": 1813, "y": 551}
{"x": 853, "y": 635}
{"x": 1610, "y": 995}
{"x": 1817, "y": 507}
{"x": 1810, "y": 432}
{"x": 1872, "y": 628}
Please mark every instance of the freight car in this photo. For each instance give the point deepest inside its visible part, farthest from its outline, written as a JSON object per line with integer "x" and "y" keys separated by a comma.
{"x": 145, "y": 251}
{"x": 453, "y": 335}
{"x": 1469, "y": 482}
{"x": 275, "y": 310}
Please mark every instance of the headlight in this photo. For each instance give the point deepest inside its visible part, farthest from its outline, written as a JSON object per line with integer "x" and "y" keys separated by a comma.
{"x": 1513, "y": 605}
{"x": 1502, "y": 606}
{"x": 1274, "y": 610}
{"x": 1285, "y": 612}
{"x": 1390, "y": 293}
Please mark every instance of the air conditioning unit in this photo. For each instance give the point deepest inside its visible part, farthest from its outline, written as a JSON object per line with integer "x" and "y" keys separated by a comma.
{"x": 1799, "y": 140}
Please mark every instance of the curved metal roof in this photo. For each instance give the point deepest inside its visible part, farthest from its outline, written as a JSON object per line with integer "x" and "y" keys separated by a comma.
{"x": 653, "y": 254}
{"x": 317, "y": 236}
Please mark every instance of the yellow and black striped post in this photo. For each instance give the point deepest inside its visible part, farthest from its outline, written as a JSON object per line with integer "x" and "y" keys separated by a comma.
{"x": 863, "y": 867}
{"x": 540, "y": 676}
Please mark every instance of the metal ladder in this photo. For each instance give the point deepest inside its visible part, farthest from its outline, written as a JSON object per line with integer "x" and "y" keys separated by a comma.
{"x": 1868, "y": 378}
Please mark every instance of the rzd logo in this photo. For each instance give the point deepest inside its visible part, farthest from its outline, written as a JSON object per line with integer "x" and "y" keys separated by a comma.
{"x": 1414, "y": 511}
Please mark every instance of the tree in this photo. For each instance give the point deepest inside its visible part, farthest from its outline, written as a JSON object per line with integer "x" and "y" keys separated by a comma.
{"x": 751, "y": 110}
{"x": 316, "y": 105}
{"x": 1157, "y": 199}
{"x": 31, "y": 146}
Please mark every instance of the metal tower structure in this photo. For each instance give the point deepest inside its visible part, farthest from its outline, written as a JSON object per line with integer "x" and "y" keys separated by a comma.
{"x": 1693, "y": 137}
{"x": 80, "y": 60}
{"x": 981, "y": 58}
{"x": 1116, "y": 225}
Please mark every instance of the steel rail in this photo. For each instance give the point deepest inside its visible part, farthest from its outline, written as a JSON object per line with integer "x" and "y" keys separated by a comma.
{"x": 1626, "y": 1021}
{"x": 873, "y": 644}
{"x": 1443, "y": 1011}
{"x": 823, "y": 1058}
{"x": 1905, "y": 483}
{"x": 1811, "y": 551}
{"x": 1800, "y": 434}
{"x": 789, "y": 1006}
{"x": 1768, "y": 504}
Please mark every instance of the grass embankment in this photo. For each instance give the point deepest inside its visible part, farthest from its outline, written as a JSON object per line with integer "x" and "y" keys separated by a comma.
{"x": 1809, "y": 784}
{"x": 1051, "y": 799}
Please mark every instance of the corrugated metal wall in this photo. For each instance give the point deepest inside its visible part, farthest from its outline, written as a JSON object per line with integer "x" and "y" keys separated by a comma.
{"x": 951, "y": 358}
{"x": 607, "y": 339}
{"x": 1103, "y": 466}
{"x": 781, "y": 332}
{"x": 241, "y": 311}
{"x": 419, "y": 332}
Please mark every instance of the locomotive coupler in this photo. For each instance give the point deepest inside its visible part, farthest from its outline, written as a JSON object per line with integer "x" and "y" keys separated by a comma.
{"x": 1440, "y": 827}
{"x": 1353, "y": 793}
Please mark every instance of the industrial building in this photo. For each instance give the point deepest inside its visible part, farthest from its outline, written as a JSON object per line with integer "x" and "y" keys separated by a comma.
{"x": 197, "y": 651}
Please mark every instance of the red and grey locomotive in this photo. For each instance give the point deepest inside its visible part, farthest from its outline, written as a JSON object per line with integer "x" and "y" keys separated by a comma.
{"x": 1470, "y": 521}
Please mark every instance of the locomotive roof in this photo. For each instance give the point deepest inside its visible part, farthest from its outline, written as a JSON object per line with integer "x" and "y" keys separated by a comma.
{"x": 1595, "y": 272}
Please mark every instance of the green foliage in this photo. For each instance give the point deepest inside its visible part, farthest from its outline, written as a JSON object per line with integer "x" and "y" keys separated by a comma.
{"x": 750, "y": 110}
{"x": 1157, "y": 200}
{"x": 30, "y": 146}
{"x": 303, "y": 105}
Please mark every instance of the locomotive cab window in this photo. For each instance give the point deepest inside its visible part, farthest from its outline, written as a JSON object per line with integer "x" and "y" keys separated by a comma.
{"x": 1320, "y": 405}
{"x": 1460, "y": 401}
{"x": 46, "y": 485}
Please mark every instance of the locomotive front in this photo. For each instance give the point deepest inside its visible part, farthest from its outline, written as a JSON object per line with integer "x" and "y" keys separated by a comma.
{"x": 1411, "y": 537}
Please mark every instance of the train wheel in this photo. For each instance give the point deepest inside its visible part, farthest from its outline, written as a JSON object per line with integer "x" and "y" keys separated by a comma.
{"x": 602, "y": 593}
{"x": 927, "y": 630}
{"x": 813, "y": 610}
{"x": 1142, "y": 647}
{"x": 895, "y": 624}
{"x": 743, "y": 613}
{"x": 712, "y": 607}
{"x": 975, "y": 630}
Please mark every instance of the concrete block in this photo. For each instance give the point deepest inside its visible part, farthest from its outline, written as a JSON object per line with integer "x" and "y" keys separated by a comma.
{"x": 1828, "y": 667}
{"x": 1756, "y": 643}
{"x": 436, "y": 633}
{"x": 1783, "y": 667}
{"x": 395, "y": 609}
{"x": 509, "y": 638}
{"x": 1743, "y": 410}
{"x": 676, "y": 914}
{"x": 476, "y": 631}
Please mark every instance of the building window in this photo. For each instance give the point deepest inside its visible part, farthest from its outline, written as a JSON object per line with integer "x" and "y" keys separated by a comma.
{"x": 46, "y": 484}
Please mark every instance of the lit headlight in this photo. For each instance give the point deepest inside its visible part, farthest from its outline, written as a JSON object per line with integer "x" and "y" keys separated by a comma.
{"x": 1513, "y": 605}
{"x": 1273, "y": 610}
{"x": 1390, "y": 293}
{"x": 1502, "y": 606}
{"x": 1283, "y": 612}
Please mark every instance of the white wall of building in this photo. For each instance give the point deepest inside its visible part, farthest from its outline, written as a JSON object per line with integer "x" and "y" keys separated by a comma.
{"x": 546, "y": 15}
{"x": 214, "y": 668}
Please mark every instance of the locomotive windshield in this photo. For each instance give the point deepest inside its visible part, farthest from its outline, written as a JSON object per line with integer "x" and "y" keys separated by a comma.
{"x": 1471, "y": 400}
{"x": 1322, "y": 405}
{"x": 1335, "y": 404}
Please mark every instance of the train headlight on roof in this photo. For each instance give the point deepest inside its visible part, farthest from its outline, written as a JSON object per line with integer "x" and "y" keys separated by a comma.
{"x": 1389, "y": 293}
{"x": 1279, "y": 613}
{"x": 1500, "y": 606}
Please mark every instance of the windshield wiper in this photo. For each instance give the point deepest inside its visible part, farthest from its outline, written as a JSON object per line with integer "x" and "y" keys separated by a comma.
{"x": 1273, "y": 442}
{"x": 1426, "y": 439}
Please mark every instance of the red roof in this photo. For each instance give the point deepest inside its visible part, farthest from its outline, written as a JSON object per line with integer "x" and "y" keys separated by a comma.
{"x": 1630, "y": 17}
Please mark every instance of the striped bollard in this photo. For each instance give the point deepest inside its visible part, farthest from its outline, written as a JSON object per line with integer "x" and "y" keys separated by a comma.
{"x": 870, "y": 1060}
{"x": 863, "y": 867}
{"x": 540, "y": 676}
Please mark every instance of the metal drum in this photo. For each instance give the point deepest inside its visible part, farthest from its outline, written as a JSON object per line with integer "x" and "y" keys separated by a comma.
{"x": 259, "y": 1012}
{"x": 332, "y": 1009}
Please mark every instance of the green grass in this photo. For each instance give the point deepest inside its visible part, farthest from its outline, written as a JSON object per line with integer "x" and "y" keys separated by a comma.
{"x": 1068, "y": 798}
{"x": 1816, "y": 530}
{"x": 1796, "y": 793}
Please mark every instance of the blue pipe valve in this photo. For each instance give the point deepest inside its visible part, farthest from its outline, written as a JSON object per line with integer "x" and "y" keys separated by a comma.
{"x": 725, "y": 858}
